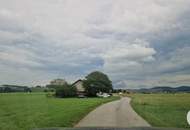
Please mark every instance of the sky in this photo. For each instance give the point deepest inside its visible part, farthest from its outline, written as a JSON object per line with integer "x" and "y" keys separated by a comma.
{"x": 139, "y": 43}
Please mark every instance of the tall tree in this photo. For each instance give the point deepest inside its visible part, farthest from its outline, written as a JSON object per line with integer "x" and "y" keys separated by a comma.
{"x": 97, "y": 82}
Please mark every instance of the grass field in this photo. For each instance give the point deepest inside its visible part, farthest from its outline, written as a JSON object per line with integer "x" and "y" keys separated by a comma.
{"x": 163, "y": 110}
{"x": 19, "y": 111}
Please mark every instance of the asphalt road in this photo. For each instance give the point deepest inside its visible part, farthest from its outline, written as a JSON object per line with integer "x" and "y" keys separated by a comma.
{"x": 114, "y": 114}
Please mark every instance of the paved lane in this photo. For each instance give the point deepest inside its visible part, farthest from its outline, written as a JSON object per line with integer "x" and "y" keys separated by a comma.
{"x": 114, "y": 114}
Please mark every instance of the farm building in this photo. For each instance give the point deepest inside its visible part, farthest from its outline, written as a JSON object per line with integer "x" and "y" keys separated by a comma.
{"x": 58, "y": 82}
{"x": 80, "y": 88}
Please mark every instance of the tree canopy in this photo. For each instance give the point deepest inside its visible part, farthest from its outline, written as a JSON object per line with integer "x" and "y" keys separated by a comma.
{"x": 97, "y": 82}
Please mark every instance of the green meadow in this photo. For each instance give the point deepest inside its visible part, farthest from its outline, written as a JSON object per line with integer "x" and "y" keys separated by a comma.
{"x": 23, "y": 111}
{"x": 163, "y": 110}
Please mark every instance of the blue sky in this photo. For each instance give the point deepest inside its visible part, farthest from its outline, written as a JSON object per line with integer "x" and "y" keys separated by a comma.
{"x": 139, "y": 43}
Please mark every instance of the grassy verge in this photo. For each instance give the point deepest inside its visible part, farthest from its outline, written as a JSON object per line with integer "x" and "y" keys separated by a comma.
{"x": 163, "y": 110}
{"x": 23, "y": 111}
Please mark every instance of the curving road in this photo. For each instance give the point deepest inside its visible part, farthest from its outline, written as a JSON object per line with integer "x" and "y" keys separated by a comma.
{"x": 114, "y": 114}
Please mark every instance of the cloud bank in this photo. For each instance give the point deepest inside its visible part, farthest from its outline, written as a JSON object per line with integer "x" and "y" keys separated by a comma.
{"x": 137, "y": 43}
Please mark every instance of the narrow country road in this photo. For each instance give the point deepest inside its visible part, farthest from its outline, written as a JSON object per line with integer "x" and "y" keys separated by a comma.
{"x": 114, "y": 114}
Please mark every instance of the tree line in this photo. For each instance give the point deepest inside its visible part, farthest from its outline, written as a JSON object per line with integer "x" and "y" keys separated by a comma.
{"x": 93, "y": 83}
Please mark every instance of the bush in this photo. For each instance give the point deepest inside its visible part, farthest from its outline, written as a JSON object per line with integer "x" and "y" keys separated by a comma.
{"x": 65, "y": 91}
{"x": 49, "y": 90}
{"x": 50, "y": 94}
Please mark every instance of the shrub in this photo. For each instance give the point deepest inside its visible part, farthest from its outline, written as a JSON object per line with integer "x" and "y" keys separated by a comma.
{"x": 65, "y": 91}
{"x": 50, "y": 94}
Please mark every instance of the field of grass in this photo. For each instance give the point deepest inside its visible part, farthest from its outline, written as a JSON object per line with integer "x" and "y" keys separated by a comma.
{"x": 163, "y": 110}
{"x": 23, "y": 111}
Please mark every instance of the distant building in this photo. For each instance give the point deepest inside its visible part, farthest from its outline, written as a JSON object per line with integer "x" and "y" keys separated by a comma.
{"x": 80, "y": 88}
{"x": 58, "y": 82}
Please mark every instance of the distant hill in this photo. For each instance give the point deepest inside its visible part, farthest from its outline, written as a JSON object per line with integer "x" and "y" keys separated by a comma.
{"x": 162, "y": 89}
{"x": 13, "y": 88}
{"x": 8, "y": 85}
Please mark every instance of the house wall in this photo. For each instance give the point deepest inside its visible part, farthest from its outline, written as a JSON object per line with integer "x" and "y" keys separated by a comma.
{"x": 80, "y": 86}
